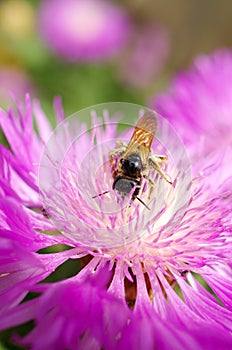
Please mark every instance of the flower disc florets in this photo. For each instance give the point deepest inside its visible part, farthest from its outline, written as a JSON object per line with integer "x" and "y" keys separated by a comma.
{"x": 76, "y": 179}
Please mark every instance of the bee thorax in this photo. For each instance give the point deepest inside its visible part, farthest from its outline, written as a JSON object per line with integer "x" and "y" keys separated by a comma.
{"x": 132, "y": 165}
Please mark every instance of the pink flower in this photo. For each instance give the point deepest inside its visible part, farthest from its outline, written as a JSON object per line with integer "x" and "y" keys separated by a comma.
{"x": 23, "y": 160}
{"x": 13, "y": 80}
{"x": 144, "y": 56}
{"x": 138, "y": 283}
{"x": 198, "y": 102}
{"x": 83, "y": 30}
{"x": 21, "y": 267}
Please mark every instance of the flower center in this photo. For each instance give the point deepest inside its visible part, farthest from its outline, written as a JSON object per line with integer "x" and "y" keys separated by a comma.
{"x": 79, "y": 171}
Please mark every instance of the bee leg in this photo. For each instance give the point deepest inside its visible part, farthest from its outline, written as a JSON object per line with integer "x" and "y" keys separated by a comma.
{"x": 156, "y": 165}
{"x": 151, "y": 185}
{"x": 115, "y": 154}
{"x": 159, "y": 159}
{"x": 121, "y": 144}
{"x": 117, "y": 151}
{"x": 151, "y": 189}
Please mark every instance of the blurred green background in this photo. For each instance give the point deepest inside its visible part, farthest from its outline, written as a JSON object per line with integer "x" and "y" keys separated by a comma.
{"x": 193, "y": 27}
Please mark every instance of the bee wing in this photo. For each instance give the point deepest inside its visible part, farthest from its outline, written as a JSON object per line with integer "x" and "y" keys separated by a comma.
{"x": 143, "y": 136}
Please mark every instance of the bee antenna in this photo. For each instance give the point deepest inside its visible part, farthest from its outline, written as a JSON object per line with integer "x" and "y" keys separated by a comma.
{"x": 141, "y": 201}
{"x": 100, "y": 194}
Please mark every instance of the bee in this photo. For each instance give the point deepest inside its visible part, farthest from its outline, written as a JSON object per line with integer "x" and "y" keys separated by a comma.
{"x": 130, "y": 164}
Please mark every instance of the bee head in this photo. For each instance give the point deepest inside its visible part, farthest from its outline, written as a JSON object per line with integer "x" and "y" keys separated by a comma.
{"x": 124, "y": 186}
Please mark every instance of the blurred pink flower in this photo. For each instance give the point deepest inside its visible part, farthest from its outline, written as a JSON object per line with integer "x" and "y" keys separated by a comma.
{"x": 14, "y": 81}
{"x": 144, "y": 56}
{"x": 198, "y": 102}
{"x": 83, "y": 30}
